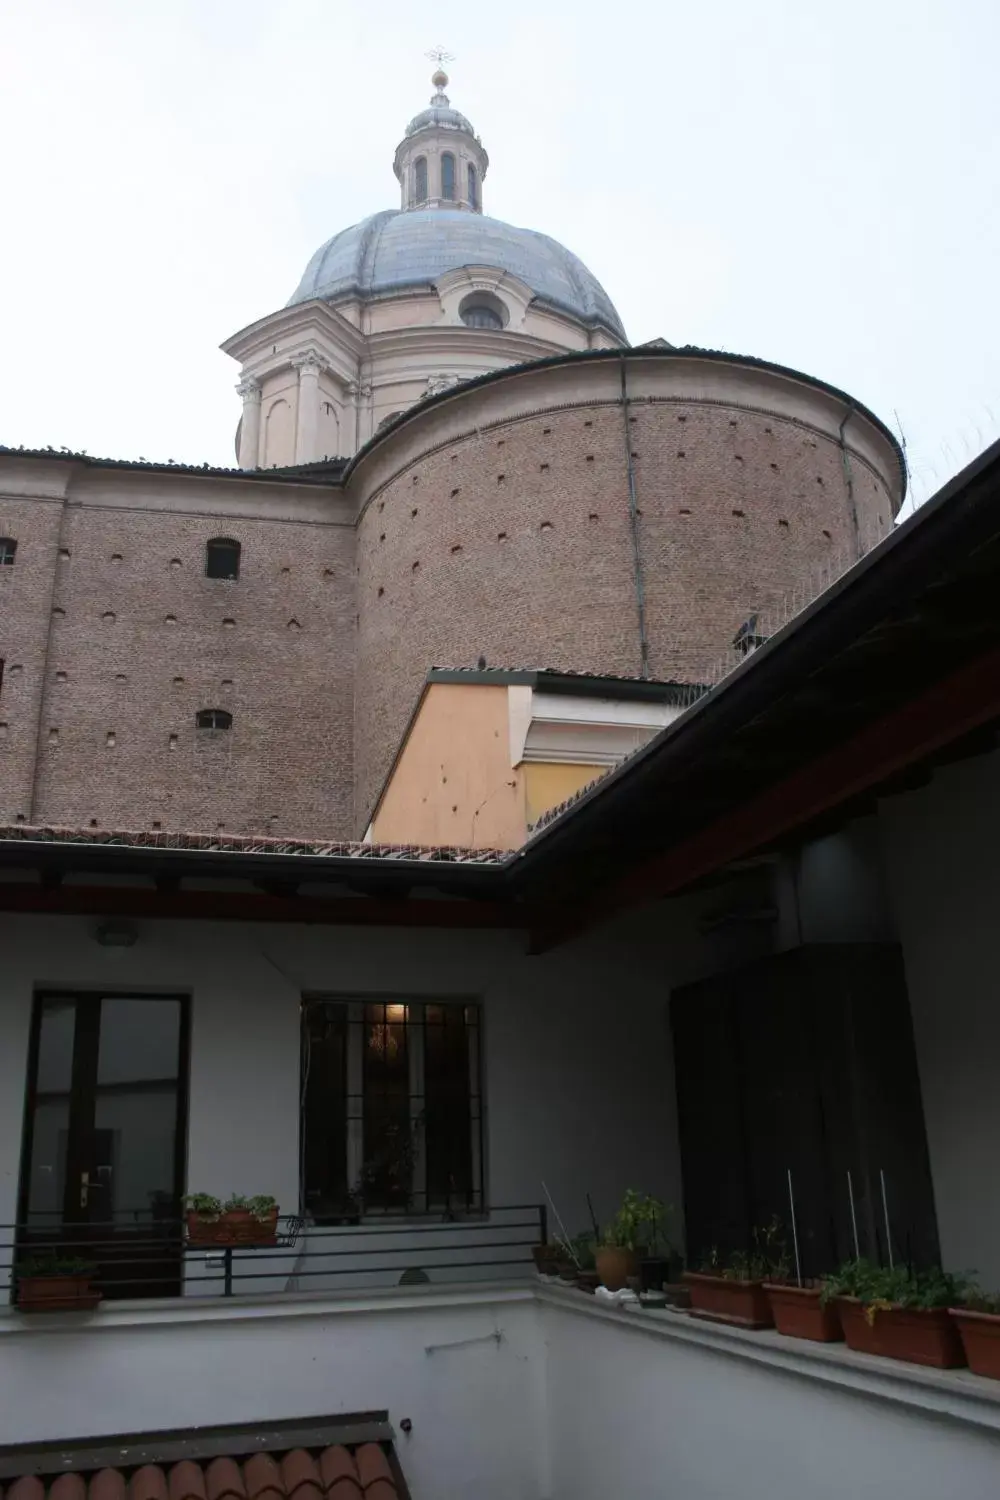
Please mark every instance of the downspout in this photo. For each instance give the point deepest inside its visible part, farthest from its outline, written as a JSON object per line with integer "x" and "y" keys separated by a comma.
{"x": 849, "y": 480}
{"x": 633, "y": 512}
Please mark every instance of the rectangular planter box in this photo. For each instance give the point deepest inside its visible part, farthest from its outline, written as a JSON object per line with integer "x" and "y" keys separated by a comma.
{"x": 980, "y": 1335}
{"x": 720, "y": 1300}
{"x": 798, "y": 1313}
{"x": 56, "y": 1294}
{"x": 237, "y": 1227}
{"x": 907, "y": 1333}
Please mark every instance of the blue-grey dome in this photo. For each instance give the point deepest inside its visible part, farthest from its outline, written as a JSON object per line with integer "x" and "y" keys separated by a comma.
{"x": 393, "y": 249}
{"x": 439, "y": 115}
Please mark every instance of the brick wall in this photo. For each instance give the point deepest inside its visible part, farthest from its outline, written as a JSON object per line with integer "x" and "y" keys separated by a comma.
{"x": 495, "y": 523}
{"x": 141, "y": 640}
{"x": 514, "y": 541}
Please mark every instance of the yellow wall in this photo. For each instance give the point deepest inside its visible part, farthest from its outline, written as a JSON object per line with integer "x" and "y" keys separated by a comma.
{"x": 545, "y": 786}
{"x": 453, "y": 782}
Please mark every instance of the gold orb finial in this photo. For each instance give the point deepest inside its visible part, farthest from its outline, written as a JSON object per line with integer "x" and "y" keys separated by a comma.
{"x": 439, "y": 78}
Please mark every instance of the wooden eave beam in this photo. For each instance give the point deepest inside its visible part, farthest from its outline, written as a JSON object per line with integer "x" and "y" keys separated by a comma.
{"x": 240, "y": 906}
{"x": 943, "y": 713}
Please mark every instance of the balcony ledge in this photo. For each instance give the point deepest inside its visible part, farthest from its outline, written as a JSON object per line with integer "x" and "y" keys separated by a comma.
{"x": 951, "y": 1395}
{"x": 170, "y": 1311}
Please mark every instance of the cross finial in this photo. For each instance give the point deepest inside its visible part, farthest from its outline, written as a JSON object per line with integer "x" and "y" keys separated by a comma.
{"x": 440, "y": 55}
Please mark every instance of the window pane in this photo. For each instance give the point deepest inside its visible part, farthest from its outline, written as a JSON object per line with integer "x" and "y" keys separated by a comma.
{"x": 420, "y": 179}
{"x": 324, "y": 1123}
{"x": 447, "y": 175}
{"x": 451, "y": 1107}
{"x": 222, "y": 558}
{"x": 50, "y": 1129}
{"x": 390, "y": 1137}
{"x": 135, "y": 1112}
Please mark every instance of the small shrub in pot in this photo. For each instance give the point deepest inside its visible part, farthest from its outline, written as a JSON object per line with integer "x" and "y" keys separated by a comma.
{"x": 897, "y": 1312}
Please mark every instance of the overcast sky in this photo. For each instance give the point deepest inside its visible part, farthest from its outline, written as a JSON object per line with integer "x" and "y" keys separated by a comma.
{"x": 813, "y": 184}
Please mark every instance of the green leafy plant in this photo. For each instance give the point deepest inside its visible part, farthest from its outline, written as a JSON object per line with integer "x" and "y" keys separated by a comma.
{"x": 976, "y": 1300}
{"x": 204, "y": 1205}
{"x": 766, "y": 1260}
{"x": 51, "y": 1264}
{"x": 635, "y": 1225}
{"x": 880, "y": 1288}
{"x": 579, "y": 1250}
{"x": 262, "y": 1206}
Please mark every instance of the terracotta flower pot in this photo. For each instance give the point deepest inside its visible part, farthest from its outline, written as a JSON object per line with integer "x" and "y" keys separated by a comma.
{"x": 921, "y": 1337}
{"x": 56, "y": 1293}
{"x": 798, "y": 1313}
{"x": 237, "y": 1226}
{"x": 722, "y": 1299}
{"x": 980, "y": 1335}
{"x": 615, "y": 1266}
{"x": 548, "y": 1259}
{"x": 588, "y": 1281}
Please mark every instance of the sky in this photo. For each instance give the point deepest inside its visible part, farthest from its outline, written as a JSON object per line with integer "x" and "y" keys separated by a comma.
{"x": 815, "y": 185}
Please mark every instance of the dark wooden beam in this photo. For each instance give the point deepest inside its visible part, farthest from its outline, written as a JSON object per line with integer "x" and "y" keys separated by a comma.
{"x": 229, "y": 906}
{"x": 882, "y": 750}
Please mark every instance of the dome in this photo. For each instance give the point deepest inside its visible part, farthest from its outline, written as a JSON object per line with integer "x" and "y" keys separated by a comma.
{"x": 395, "y": 249}
{"x": 439, "y": 115}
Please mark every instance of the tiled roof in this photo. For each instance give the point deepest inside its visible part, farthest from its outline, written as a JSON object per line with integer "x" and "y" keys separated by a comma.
{"x": 223, "y": 843}
{"x": 585, "y": 675}
{"x": 334, "y": 1473}
{"x": 323, "y": 471}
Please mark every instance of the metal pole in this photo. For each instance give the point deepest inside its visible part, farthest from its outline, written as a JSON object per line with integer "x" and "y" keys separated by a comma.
{"x": 228, "y": 1284}
{"x": 854, "y": 1217}
{"x": 562, "y": 1226}
{"x": 885, "y": 1211}
{"x": 795, "y": 1231}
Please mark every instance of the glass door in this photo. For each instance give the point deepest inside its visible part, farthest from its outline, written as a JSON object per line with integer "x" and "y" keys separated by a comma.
{"x": 102, "y": 1175}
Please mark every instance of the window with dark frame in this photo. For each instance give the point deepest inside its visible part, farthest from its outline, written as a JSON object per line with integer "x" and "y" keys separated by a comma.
{"x": 213, "y": 718}
{"x": 391, "y": 1108}
{"x": 420, "y": 179}
{"x": 222, "y": 558}
{"x": 447, "y": 175}
{"x": 8, "y": 550}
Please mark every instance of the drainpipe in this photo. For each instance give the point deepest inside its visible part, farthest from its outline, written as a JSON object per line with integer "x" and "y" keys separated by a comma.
{"x": 633, "y": 512}
{"x": 849, "y": 479}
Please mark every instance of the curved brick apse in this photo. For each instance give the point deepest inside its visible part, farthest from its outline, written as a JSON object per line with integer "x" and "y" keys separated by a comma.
{"x": 522, "y": 519}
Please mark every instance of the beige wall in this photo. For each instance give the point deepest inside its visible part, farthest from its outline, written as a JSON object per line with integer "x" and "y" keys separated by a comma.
{"x": 453, "y": 783}
{"x": 548, "y": 785}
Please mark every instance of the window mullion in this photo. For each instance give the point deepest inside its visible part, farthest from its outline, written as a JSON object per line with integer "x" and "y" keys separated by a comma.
{"x": 355, "y": 1096}
{"x": 415, "y": 1020}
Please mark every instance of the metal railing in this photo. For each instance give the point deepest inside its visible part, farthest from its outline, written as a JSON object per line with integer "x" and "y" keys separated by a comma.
{"x": 157, "y": 1260}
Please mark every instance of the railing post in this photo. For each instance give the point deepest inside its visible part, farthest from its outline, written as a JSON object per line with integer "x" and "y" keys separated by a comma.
{"x": 543, "y": 1224}
{"x": 228, "y": 1264}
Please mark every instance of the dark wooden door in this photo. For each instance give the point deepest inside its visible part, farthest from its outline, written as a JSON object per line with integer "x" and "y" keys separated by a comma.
{"x": 102, "y": 1175}
{"x": 803, "y": 1063}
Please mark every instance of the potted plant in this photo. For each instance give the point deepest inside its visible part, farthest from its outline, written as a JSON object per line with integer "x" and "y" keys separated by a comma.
{"x": 56, "y": 1283}
{"x": 627, "y": 1235}
{"x": 731, "y": 1289}
{"x": 800, "y": 1313}
{"x": 582, "y": 1251}
{"x": 897, "y": 1312}
{"x": 549, "y": 1258}
{"x": 237, "y": 1221}
{"x": 660, "y": 1263}
{"x": 978, "y": 1324}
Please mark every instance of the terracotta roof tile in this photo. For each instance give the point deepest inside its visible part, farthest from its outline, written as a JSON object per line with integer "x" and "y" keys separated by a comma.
{"x": 26, "y": 1488}
{"x": 263, "y": 1477}
{"x": 333, "y": 1473}
{"x": 224, "y": 1478}
{"x": 186, "y": 1482}
{"x": 107, "y": 1484}
{"x": 336, "y": 1464}
{"x": 69, "y": 1487}
{"x": 148, "y": 1483}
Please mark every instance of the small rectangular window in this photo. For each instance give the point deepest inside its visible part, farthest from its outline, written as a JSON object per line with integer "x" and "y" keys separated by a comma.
{"x": 391, "y": 1108}
{"x": 8, "y": 548}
